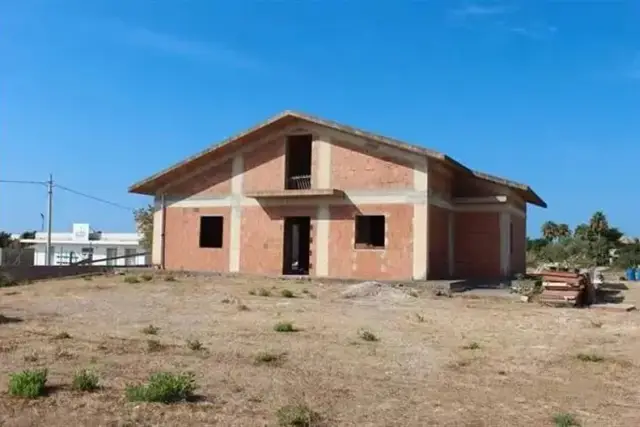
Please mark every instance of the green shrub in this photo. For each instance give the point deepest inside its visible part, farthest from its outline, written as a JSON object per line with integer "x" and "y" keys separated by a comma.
{"x": 565, "y": 420}
{"x": 154, "y": 345}
{"x": 264, "y": 292}
{"x": 163, "y": 387}
{"x": 147, "y": 277}
{"x": 286, "y": 293}
{"x": 472, "y": 346}
{"x": 296, "y": 416}
{"x": 284, "y": 327}
{"x": 131, "y": 279}
{"x": 367, "y": 335}
{"x": 62, "y": 336}
{"x": 269, "y": 358}
{"x": 589, "y": 357}
{"x": 195, "y": 345}
{"x": 85, "y": 381}
{"x": 150, "y": 330}
{"x": 29, "y": 384}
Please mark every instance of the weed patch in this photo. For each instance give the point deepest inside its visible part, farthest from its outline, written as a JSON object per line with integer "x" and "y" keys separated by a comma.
{"x": 62, "y": 336}
{"x": 131, "y": 279}
{"x": 154, "y": 345}
{"x": 147, "y": 277}
{"x": 284, "y": 327}
{"x": 565, "y": 420}
{"x": 30, "y": 384}
{"x": 367, "y": 335}
{"x": 589, "y": 357}
{"x": 264, "y": 292}
{"x": 195, "y": 345}
{"x": 85, "y": 381}
{"x": 269, "y": 358}
{"x": 296, "y": 416}
{"x": 170, "y": 278}
{"x": 472, "y": 346}
{"x": 286, "y": 293}
{"x": 163, "y": 387}
{"x": 150, "y": 330}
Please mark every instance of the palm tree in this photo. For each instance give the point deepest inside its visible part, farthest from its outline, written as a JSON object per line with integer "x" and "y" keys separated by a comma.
{"x": 598, "y": 223}
{"x": 582, "y": 231}
{"x": 563, "y": 230}
{"x": 550, "y": 230}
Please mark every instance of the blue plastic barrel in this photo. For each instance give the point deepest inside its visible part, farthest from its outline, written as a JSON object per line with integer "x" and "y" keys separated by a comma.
{"x": 632, "y": 274}
{"x": 637, "y": 273}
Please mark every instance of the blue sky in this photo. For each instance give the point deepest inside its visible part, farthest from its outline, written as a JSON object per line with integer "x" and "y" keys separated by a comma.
{"x": 103, "y": 93}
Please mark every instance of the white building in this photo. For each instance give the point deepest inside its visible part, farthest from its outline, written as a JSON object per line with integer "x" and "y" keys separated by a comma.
{"x": 83, "y": 243}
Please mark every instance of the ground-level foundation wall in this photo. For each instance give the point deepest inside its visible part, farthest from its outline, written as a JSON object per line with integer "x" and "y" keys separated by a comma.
{"x": 182, "y": 240}
{"x": 262, "y": 239}
{"x": 438, "y": 242}
{"x": 395, "y": 261}
{"x": 477, "y": 244}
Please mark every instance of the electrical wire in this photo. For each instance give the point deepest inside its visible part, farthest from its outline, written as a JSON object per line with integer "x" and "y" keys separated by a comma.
{"x": 97, "y": 199}
{"x": 12, "y": 181}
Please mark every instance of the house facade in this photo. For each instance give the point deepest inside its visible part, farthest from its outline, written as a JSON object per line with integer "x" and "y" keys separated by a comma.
{"x": 82, "y": 244}
{"x": 303, "y": 195}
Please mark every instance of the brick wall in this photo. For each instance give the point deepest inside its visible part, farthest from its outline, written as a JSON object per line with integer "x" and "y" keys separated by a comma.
{"x": 182, "y": 240}
{"x": 264, "y": 167}
{"x": 477, "y": 244}
{"x": 262, "y": 238}
{"x": 352, "y": 169}
{"x": 438, "y": 236}
{"x": 214, "y": 181}
{"x": 394, "y": 261}
{"x": 519, "y": 245}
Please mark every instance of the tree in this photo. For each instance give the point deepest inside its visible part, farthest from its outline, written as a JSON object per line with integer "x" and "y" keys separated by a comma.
{"x": 144, "y": 225}
{"x": 582, "y": 231}
{"x": 28, "y": 235}
{"x": 550, "y": 230}
{"x": 598, "y": 223}
{"x": 5, "y": 239}
{"x": 562, "y": 231}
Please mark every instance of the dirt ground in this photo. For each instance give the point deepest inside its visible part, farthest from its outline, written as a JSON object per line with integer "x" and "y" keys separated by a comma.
{"x": 523, "y": 370}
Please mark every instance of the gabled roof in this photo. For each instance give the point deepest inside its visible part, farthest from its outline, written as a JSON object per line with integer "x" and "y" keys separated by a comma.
{"x": 152, "y": 184}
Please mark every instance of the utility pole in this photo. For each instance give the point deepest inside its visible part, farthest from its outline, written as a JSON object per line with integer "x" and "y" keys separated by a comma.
{"x": 49, "y": 213}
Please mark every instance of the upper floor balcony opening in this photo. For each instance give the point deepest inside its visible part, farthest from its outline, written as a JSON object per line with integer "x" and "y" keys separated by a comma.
{"x": 298, "y": 162}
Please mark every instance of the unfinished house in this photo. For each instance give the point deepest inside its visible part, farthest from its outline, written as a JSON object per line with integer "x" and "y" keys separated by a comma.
{"x": 301, "y": 195}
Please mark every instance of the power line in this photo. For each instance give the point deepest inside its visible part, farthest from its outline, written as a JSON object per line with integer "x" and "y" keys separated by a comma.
{"x": 97, "y": 199}
{"x": 13, "y": 181}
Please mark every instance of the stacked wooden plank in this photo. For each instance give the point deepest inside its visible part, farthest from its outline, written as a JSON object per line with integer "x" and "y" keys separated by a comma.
{"x": 568, "y": 289}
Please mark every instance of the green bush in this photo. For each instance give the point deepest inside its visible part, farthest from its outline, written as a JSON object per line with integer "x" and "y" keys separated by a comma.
{"x": 163, "y": 387}
{"x": 147, "y": 277}
{"x": 287, "y": 293}
{"x": 565, "y": 420}
{"x": 296, "y": 416}
{"x": 367, "y": 335}
{"x": 269, "y": 358}
{"x": 284, "y": 327}
{"x": 195, "y": 345}
{"x": 264, "y": 292}
{"x": 589, "y": 357}
{"x": 154, "y": 345}
{"x": 85, "y": 381}
{"x": 472, "y": 346}
{"x": 131, "y": 279}
{"x": 150, "y": 330}
{"x": 29, "y": 384}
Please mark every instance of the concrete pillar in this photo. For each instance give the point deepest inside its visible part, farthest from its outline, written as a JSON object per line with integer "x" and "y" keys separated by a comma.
{"x": 237, "y": 175}
{"x": 421, "y": 222}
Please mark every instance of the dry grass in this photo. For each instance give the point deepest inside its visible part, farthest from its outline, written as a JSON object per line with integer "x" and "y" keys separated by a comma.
{"x": 417, "y": 374}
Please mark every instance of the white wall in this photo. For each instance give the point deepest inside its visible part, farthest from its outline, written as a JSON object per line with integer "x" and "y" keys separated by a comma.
{"x": 61, "y": 252}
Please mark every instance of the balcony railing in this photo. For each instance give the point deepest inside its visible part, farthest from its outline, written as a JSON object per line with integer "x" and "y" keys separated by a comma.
{"x": 299, "y": 182}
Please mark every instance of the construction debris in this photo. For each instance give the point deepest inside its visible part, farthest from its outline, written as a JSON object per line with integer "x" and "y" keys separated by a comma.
{"x": 567, "y": 289}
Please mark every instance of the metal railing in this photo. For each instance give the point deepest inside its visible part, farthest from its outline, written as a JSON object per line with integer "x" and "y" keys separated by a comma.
{"x": 299, "y": 182}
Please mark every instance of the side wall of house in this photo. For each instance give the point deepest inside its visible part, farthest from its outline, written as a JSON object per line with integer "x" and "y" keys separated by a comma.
{"x": 438, "y": 242}
{"x": 519, "y": 245}
{"x": 477, "y": 244}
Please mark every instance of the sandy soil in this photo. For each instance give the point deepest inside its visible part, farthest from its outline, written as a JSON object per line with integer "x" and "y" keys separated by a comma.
{"x": 417, "y": 374}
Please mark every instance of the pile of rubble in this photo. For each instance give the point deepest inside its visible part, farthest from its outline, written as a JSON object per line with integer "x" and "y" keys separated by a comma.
{"x": 563, "y": 288}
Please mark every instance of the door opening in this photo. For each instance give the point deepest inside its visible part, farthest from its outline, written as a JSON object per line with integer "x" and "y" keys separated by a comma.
{"x": 297, "y": 241}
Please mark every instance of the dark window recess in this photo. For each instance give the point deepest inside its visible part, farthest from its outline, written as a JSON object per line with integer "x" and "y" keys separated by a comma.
{"x": 298, "y": 162}
{"x": 210, "y": 231}
{"x": 369, "y": 231}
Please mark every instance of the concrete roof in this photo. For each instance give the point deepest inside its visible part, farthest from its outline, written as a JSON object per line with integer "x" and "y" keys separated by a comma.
{"x": 151, "y": 184}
